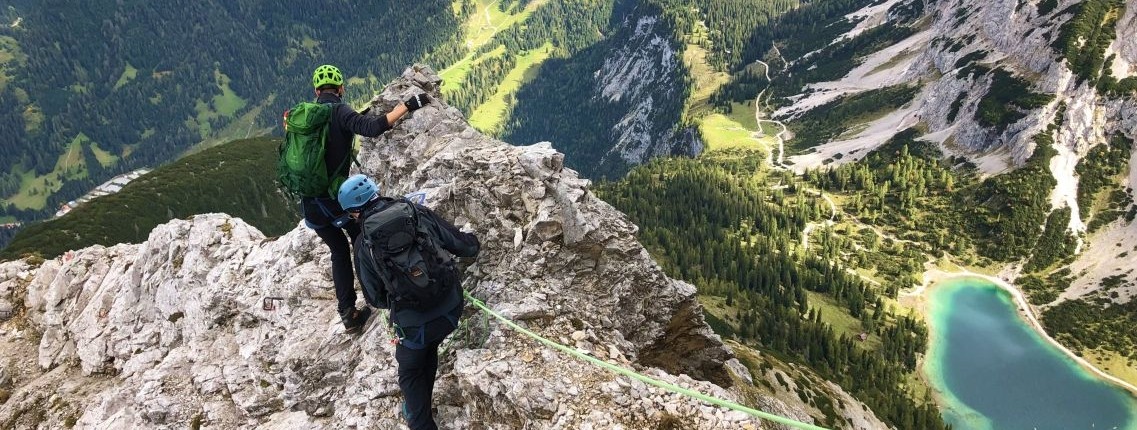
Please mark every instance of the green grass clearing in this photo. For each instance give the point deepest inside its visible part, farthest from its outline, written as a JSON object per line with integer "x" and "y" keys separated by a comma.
{"x": 479, "y": 29}
{"x": 33, "y": 118}
{"x": 9, "y": 49}
{"x": 310, "y": 44}
{"x": 743, "y": 113}
{"x": 224, "y": 105}
{"x": 10, "y": 57}
{"x": 1113, "y": 363}
{"x": 127, "y": 75}
{"x": 240, "y": 128}
{"x": 488, "y": 19}
{"x": 455, "y": 75}
{"x": 228, "y": 103}
{"x": 489, "y": 117}
{"x": 769, "y": 129}
{"x": 306, "y": 46}
{"x": 106, "y": 159}
{"x": 722, "y": 132}
{"x": 34, "y": 190}
{"x": 840, "y": 320}
{"x": 717, "y": 306}
{"x": 707, "y": 81}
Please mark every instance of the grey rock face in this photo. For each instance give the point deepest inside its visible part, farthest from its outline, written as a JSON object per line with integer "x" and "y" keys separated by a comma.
{"x": 176, "y": 332}
{"x": 642, "y": 77}
{"x": 1016, "y": 38}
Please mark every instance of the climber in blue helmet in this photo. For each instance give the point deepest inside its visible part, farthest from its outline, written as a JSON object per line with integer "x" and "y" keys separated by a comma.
{"x": 404, "y": 258}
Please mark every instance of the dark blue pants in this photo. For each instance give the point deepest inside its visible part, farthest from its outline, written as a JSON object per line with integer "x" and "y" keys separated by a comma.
{"x": 342, "y": 275}
{"x": 320, "y": 214}
{"x": 417, "y": 355}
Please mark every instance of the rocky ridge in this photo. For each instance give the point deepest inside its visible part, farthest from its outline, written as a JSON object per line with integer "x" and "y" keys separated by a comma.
{"x": 209, "y": 323}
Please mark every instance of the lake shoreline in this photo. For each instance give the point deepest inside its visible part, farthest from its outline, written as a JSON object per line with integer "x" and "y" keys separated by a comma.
{"x": 935, "y": 277}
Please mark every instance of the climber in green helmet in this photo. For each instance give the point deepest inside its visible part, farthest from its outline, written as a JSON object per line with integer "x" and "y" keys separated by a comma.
{"x": 323, "y": 213}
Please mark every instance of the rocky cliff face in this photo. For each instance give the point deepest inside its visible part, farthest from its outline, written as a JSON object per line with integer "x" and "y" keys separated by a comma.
{"x": 209, "y": 323}
{"x": 950, "y": 57}
{"x": 643, "y": 77}
{"x": 1017, "y": 37}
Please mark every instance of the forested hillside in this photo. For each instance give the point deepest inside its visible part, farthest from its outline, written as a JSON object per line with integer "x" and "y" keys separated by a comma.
{"x": 783, "y": 41}
{"x": 731, "y": 226}
{"x": 613, "y": 104}
{"x": 721, "y": 37}
{"x": 96, "y": 88}
{"x": 958, "y": 146}
{"x": 237, "y": 178}
{"x": 101, "y": 88}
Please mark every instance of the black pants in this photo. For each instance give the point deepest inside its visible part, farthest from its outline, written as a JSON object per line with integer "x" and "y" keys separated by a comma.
{"x": 342, "y": 275}
{"x": 419, "y": 367}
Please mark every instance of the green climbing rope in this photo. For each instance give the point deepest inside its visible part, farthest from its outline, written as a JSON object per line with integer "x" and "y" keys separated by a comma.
{"x": 642, "y": 378}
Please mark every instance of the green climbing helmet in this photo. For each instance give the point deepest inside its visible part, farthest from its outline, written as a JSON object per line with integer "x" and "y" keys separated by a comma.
{"x": 327, "y": 75}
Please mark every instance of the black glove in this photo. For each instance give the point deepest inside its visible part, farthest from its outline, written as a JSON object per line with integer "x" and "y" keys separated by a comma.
{"x": 416, "y": 102}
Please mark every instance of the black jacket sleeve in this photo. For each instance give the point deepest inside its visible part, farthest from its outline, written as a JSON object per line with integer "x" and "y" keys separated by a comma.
{"x": 369, "y": 277}
{"x": 459, "y": 243}
{"x": 363, "y": 125}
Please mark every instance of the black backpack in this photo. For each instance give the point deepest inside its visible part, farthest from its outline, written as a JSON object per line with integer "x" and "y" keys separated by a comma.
{"x": 417, "y": 272}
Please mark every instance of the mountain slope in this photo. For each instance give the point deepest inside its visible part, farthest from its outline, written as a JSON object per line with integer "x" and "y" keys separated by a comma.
{"x": 1022, "y": 116}
{"x": 97, "y": 88}
{"x": 173, "y": 331}
{"x": 634, "y": 77}
{"x": 237, "y": 178}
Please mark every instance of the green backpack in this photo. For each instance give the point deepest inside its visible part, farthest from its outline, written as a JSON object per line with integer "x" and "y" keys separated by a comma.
{"x": 300, "y": 169}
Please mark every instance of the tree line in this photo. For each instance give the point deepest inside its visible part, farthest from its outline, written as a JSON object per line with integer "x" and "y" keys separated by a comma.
{"x": 718, "y": 222}
{"x": 238, "y": 178}
{"x": 78, "y": 51}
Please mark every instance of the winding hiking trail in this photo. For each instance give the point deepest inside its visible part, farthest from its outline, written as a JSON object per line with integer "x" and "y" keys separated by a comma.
{"x": 779, "y": 163}
{"x": 758, "y": 117}
{"x": 812, "y": 225}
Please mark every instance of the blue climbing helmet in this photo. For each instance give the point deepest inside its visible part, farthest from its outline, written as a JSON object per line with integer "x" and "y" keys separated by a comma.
{"x": 357, "y": 190}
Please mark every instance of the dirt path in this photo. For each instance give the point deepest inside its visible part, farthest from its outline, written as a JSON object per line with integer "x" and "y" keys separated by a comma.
{"x": 758, "y": 105}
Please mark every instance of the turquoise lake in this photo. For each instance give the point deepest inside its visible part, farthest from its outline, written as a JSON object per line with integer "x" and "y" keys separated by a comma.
{"x": 995, "y": 372}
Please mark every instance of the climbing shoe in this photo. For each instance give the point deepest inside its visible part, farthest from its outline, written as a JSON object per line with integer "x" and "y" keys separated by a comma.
{"x": 354, "y": 319}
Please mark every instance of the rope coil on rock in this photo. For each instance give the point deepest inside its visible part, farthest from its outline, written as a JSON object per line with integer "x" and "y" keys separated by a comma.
{"x": 640, "y": 377}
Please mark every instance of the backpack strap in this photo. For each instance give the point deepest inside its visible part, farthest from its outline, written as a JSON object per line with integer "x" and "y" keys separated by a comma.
{"x": 333, "y": 187}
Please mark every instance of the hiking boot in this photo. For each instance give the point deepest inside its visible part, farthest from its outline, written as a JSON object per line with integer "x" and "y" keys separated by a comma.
{"x": 354, "y": 319}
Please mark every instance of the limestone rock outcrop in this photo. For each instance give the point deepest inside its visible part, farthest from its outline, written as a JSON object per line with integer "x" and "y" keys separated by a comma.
{"x": 210, "y": 323}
